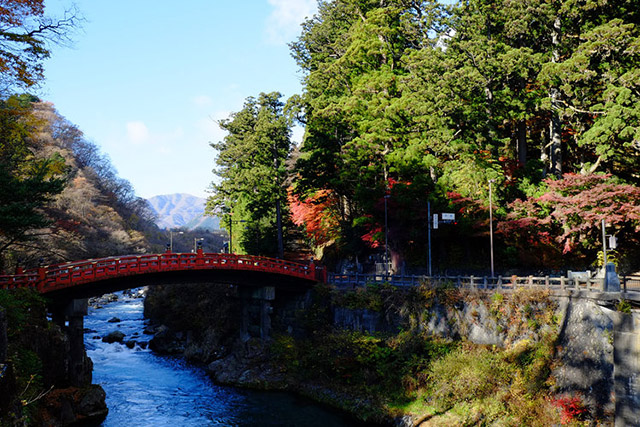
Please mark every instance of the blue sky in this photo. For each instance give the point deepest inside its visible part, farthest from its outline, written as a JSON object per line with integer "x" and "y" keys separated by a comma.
{"x": 147, "y": 80}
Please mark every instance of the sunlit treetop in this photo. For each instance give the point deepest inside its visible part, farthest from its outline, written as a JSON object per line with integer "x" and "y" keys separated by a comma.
{"x": 26, "y": 33}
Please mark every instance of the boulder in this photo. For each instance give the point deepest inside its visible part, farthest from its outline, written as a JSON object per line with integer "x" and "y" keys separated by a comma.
{"x": 115, "y": 336}
{"x": 166, "y": 342}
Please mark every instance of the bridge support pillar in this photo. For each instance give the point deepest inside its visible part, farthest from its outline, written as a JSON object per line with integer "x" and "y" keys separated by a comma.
{"x": 80, "y": 366}
{"x": 70, "y": 317}
{"x": 256, "y": 312}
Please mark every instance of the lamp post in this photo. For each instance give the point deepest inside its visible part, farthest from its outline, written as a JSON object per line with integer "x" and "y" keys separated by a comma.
{"x": 491, "y": 181}
{"x": 386, "y": 238}
{"x": 171, "y": 239}
{"x": 604, "y": 255}
{"x": 195, "y": 243}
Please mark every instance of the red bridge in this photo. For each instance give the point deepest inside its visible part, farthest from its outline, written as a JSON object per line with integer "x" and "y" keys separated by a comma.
{"x": 96, "y": 276}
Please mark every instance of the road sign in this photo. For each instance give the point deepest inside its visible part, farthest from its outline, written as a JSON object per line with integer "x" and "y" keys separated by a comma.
{"x": 435, "y": 221}
{"x": 448, "y": 216}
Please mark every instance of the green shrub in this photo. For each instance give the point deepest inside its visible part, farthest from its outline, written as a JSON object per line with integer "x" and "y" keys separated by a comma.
{"x": 623, "y": 306}
{"x": 466, "y": 375}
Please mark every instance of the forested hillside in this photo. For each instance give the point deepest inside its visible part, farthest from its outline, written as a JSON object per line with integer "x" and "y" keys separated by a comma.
{"x": 408, "y": 102}
{"x": 60, "y": 197}
{"x": 62, "y": 200}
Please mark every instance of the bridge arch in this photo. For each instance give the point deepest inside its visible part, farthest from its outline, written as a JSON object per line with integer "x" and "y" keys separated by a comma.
{"x": 93, "y": 277}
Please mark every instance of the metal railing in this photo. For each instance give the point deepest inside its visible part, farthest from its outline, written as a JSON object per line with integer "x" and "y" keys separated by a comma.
{"x": 627, "y": 283}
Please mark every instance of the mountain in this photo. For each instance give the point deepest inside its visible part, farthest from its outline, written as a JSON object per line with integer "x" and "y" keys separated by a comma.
{"x": 182, "y": 211}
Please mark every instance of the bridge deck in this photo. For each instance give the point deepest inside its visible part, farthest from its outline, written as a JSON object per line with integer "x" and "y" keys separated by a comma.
{"x": 61, "y": 276}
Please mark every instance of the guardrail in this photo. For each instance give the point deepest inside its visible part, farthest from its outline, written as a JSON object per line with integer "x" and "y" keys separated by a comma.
{"x": 60, "y": 276}
{"x": 627, "y": 283}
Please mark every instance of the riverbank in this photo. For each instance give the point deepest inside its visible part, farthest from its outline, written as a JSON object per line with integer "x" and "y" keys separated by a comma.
{"x": 433, "y": 355}
{"x": 37, "y": 386}
{"x": 145, "y": 387}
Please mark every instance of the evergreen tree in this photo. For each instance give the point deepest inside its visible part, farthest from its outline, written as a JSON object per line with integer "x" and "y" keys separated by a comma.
{"x": 251, "y": 165}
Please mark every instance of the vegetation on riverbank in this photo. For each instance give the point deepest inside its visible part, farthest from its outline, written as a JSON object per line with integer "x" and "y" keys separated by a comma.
{"x": 35, "y": 386}
{"x": 420, "y": 365}
{"x": 446, "y": 381}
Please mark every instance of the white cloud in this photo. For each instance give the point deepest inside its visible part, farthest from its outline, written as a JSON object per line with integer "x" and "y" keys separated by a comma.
{"x": 137, "y": 132}
{"x": 202, "y": 101}
{"x": 283, "y": 24}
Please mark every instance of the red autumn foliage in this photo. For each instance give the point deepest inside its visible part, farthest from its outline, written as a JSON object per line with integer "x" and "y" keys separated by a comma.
{"x": 317, "y": 214}
{"x": 573, "y": 409}
{"x": 472, "y": 209}
{"x": 570, "y": 213}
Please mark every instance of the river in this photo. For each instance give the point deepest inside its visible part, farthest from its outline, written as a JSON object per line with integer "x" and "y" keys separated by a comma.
{"x": 146, "y": 389}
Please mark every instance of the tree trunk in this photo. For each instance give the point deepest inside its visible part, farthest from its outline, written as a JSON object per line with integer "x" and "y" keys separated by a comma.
{"x": 522, "y": 142}
{"x": 279, "y": 226}
{"x": 555, "y": 126}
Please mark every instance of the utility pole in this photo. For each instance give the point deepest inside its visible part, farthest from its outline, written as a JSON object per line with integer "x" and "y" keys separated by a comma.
{"x": 171, "y": 239}
{"x": 429, "y": 235}
{"x": 491, "y": 223}
{"x": 604, "y": 253}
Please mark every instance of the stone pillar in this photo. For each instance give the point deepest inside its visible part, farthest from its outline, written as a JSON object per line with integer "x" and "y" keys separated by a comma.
{"x": 256, "y": 312}
{"x": 626, "y": 371}
{"x": 268, "y": 294}
{"x": 80, "y": 366}
{"x": 612, "y": 280}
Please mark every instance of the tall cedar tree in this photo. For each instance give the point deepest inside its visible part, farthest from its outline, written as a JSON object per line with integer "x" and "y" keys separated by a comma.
{"x": 252, "y": 191}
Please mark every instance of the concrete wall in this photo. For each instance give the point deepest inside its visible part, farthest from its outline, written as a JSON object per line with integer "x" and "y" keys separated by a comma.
{"x": 595, "y": 343}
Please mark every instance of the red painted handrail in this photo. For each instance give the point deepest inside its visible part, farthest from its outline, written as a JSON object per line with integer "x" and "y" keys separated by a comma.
{"x": 60, "y": 276}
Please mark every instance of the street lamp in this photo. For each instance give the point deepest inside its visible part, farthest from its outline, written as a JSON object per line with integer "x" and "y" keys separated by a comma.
{"x": 491, "y": 181}
{"x": 171, "y": 239}
{"x": 386, "y": 238}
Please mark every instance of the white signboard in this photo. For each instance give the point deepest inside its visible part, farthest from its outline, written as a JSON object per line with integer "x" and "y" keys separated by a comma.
{"x": 448, "y": 217}
{"x": 435, "y": 221}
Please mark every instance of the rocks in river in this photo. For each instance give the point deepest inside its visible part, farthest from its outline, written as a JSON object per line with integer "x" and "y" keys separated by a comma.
{"x": 149, "y": 330}
{"x": 114, "y": 320}
{"x": 99, "y": 302}
{"x": 130, "y": 344}
{"x": 136, "y": 293}
{"x": 115, "y": 336}
{"x": 166, "y": 342}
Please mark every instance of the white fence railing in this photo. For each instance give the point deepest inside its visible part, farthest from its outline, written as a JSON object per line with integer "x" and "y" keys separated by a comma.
{"x": 627, "y": 283}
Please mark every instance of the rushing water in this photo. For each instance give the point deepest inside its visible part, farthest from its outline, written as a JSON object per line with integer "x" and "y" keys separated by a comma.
{"x": 145, "y": 389}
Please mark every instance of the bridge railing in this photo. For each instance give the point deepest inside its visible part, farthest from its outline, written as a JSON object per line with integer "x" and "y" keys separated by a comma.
{"x": 60, "y": 276}
{"x": 627, "y": 283}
